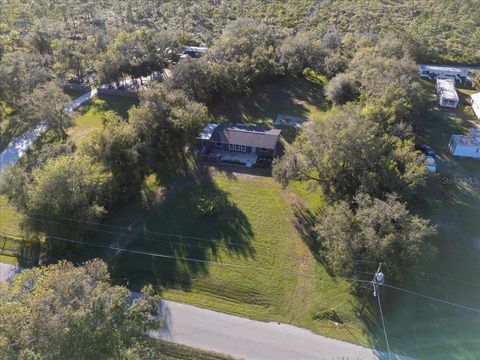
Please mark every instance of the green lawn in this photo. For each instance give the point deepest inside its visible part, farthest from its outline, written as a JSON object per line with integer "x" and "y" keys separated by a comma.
{"x": 266, "y": 270}
{"x": 90, "y": 115}
{"x": 426, "y": 329}
{"x": 297, "y": 96}
{"x": 9, "y": 224}
{"x": 163, "y": 350}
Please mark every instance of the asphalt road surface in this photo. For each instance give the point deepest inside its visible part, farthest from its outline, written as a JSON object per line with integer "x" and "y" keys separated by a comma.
{"x": 243, "y": 338}
{"x": 249, "y": 339}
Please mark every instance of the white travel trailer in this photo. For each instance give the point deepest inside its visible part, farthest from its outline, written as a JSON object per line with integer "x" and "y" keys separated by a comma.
{"x": 433, "y": 72}
{"x": 476, "y": 104}
{"x": 466, "y": 146}
{"x": 446, "y": 93}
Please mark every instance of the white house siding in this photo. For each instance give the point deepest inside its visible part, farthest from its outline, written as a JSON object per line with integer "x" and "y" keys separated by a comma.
{"x": 476, "y": 104}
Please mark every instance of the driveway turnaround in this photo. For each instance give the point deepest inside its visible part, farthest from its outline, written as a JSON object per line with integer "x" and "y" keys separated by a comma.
{"x": 250, "y": 339}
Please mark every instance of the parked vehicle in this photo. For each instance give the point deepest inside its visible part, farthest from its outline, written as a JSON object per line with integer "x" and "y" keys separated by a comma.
{"x": 430, "y": 164}
{"x": 427, "y": 150}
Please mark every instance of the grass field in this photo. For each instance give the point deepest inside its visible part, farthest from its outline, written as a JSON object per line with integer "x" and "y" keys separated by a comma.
{"x": 419, "y": 327}
{"x": 253, "y": 262}
{"x": 297, "y": 96}
{"x": 162, "y": 350}
{"x": 9, "y": 223}
{"x": 90, "y": 115}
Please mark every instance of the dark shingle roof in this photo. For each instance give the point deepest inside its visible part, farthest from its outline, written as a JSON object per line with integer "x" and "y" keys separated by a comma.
{"x": 246, "y": 135}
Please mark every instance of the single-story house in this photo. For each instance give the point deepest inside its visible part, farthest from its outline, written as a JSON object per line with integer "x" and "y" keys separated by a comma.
{"x": 241, "y": 143}
{"x": 476, "y": 104}
{"x": 446, "y": 93}
{"x": 466, "y": 145}
{"x": 432, "y": 72}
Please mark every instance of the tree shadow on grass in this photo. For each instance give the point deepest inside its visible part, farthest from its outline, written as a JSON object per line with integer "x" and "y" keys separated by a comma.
{"x": 195, "y": 224}
{"x": 305, "y": 221}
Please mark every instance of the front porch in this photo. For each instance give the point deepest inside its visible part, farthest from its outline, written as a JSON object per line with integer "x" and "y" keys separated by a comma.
{"x": 231, "y": 157}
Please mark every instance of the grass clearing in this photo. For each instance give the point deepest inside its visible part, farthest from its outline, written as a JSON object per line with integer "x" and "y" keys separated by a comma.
{"x": 9, "y": 223}
{"x": 300, "y": 96}
{"x": 92, "y": 113}
{"x": 267, "y": 272}
{"x": 163, "y": 350}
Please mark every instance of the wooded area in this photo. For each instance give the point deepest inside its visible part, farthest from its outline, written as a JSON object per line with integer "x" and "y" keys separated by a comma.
{"x": 357, "y": 154}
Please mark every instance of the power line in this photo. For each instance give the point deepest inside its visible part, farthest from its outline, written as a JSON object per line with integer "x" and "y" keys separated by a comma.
{"x": 211, "y": 240}
{"x": 285, "y": 271}
{"x": 186, "y": 259}
{"x": 127, "y": 231}
{"x": 383, "y": 324}
{"x": 433, "y": 298}
{"x": 125, "y": 228}
{"x": 158, "y": 240}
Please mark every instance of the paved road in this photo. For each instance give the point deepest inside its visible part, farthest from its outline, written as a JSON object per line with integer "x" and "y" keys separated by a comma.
{"x": 249, "y": 339}
{"x": 19, "y": 146}
{"x": 241, "y": 337}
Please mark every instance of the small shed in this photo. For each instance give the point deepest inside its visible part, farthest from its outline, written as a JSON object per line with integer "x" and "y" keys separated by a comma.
{"x": 446, "y": 93}
{"x": 466, "y": 145}
{"x": 476, "y": 104}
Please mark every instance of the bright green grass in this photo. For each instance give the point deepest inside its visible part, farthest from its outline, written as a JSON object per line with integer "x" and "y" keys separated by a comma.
{"x": 92, "y": 113}
{"x": 268, "y": 273}
{"x": 296, "y": 96}
{"x": 9, "y": 217}
{"x": 9, "y": 224}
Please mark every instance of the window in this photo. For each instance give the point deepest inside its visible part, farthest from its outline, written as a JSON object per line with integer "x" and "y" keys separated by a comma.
{"x": 263, "y": 150}
{"x": 244, "y": 148}
{"x": 218, "y": 145}
{"x": 478, "y": 150}
{"x": 237, "y": 147}
{"x": 231, "y": 147}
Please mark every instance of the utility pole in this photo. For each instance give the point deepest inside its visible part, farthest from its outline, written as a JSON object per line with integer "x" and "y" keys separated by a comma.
{"x": 377, "y": 279}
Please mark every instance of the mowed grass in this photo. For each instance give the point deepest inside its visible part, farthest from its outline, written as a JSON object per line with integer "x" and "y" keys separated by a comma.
{"x": 163, "y": 350}
{"x": 248, "y": 259}
{"x": 423, "y": 328}
{"x": 9, "y": 225}
{"x": 300, "y": 96}
{"x": 91, "y": 115}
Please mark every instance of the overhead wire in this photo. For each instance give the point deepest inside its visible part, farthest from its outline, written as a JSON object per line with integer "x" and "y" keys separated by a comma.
{"x": 464, "y": 307}
{"x": 383, "y": 325}
{"x": 285, "y": 271}
{"x": 174, "y": 257}
{"x": 203, "y": 239}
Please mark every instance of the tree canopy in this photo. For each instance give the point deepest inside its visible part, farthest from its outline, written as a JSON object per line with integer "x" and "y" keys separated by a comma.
{"x": 64, "y": 312}
{"x": 374, "y": 231}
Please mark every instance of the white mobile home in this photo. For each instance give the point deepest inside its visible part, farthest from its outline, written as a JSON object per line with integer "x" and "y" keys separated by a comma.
{"x": 476, "y": 104}
{"x": 446, "y": 93}
{"x": 466, "y": 146}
